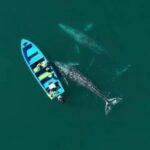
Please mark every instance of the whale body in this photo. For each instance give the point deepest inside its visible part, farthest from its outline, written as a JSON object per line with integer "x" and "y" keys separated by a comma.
{"x": 76, "y": 76}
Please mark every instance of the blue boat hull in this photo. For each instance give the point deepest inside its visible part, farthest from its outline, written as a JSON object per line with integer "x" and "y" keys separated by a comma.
{"x": 41, "y": 69}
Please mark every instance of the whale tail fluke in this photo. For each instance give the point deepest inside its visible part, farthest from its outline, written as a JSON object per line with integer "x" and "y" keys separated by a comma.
{"x": 110, "y": 103}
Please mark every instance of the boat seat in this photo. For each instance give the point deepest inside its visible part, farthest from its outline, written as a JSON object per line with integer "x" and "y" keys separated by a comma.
{"x": 34, "y": 54}
{"x": 44, "y": 75}
{"x": 31, "y": 51}
{"x": 36, "y": 58}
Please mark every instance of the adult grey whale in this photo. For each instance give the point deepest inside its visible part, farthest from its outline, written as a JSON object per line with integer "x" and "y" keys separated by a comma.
{"x": 82, "y": 39}
{"x": 76, "y": 76}
{"x": 85, "y": 41}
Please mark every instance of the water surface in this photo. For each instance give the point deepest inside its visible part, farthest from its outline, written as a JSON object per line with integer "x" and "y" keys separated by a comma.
{"x": 29, "y": 120}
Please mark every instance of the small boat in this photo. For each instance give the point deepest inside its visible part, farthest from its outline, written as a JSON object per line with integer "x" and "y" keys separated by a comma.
{"x": 42, "y": 70}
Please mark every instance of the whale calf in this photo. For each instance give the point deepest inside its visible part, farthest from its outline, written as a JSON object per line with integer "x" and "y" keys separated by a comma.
{"x": 76, "y": 76}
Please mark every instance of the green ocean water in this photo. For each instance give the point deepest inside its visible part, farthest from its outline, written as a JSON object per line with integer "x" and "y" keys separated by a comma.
{"x": 29, "y": 120}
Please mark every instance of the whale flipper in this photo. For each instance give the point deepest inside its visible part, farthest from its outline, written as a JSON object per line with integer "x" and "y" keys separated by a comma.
{"x": 66, "y": 81}
{"x": 77, "y": 49}
{"x": 73, "y": 63}
{"x": 120, "y": 71}
{"x": 91, "y": 63}
{"x": 88, "y": 27}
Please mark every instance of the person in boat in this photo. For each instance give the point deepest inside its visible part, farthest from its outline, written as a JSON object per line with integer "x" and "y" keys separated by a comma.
{"x": 42, "y": 65}
{"x": 51, "y": 73}
{"x": 60, "y": 98}
{"x": 39, "y": 66}
{"x": 53, "y": 87}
